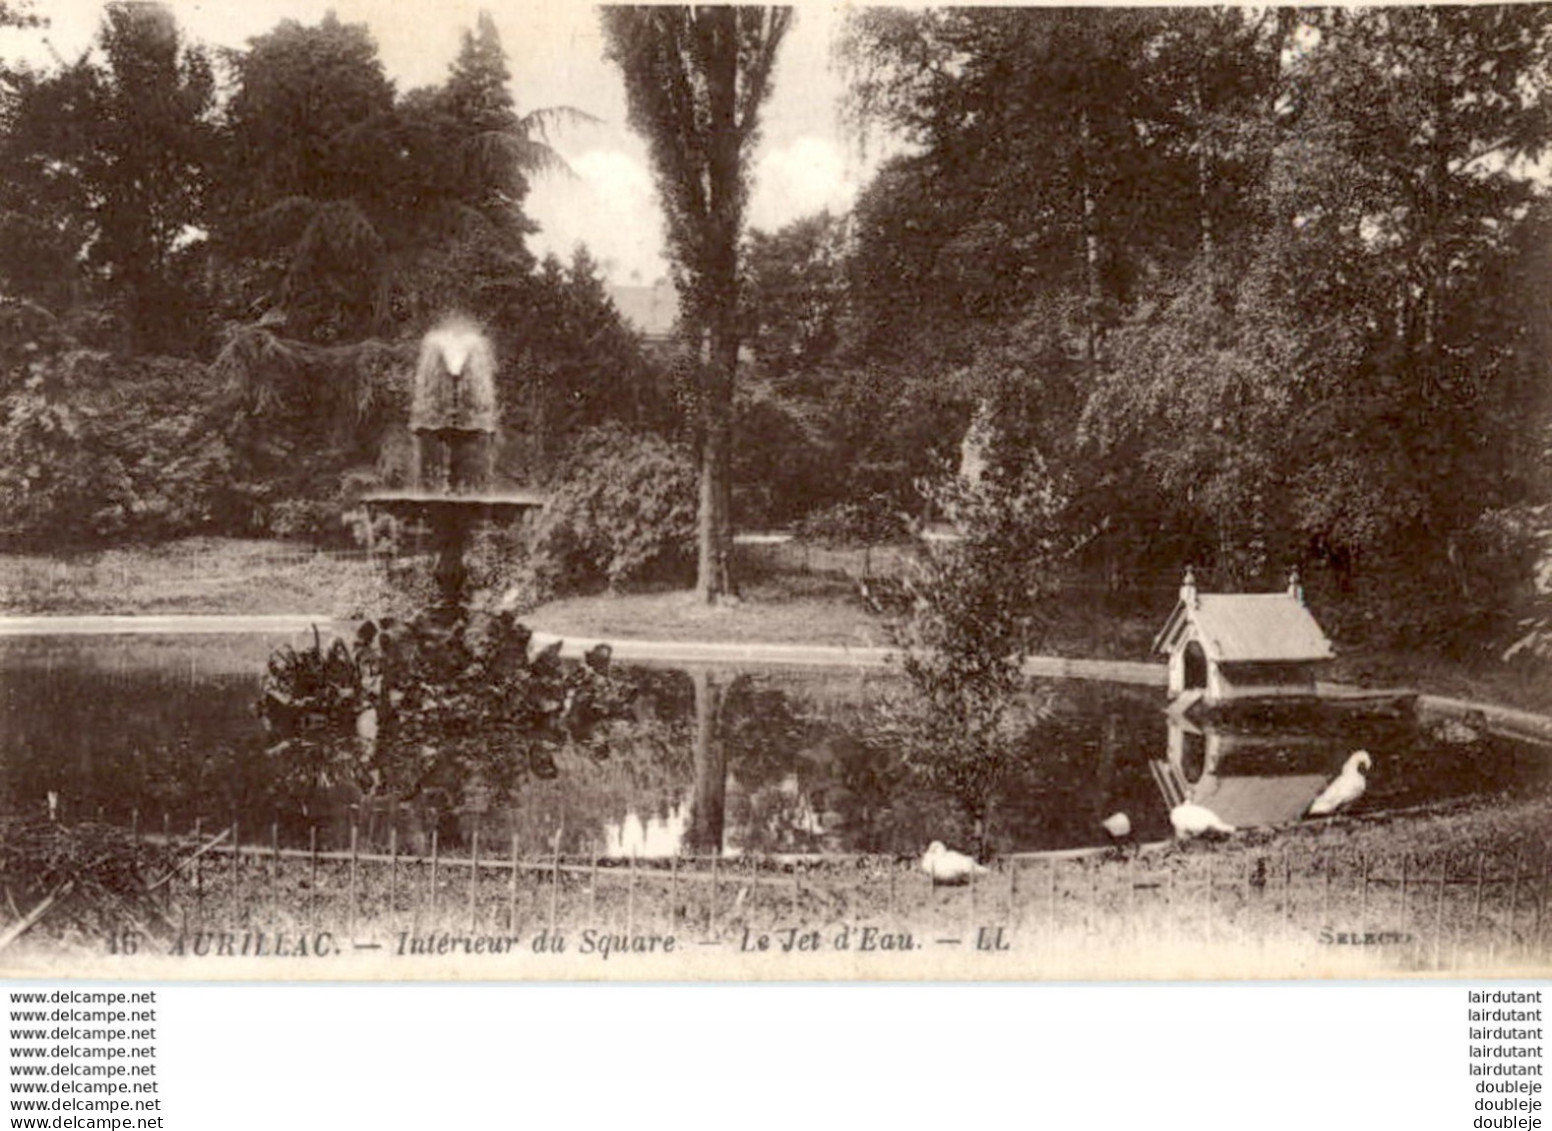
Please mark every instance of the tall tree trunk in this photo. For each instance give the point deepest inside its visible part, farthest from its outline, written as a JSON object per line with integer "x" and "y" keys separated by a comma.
{"x": 709, "y": 803}
{"x": 695, "y": 79}
{"x": 720, "y": 299}
{"x": 712, "y": 579}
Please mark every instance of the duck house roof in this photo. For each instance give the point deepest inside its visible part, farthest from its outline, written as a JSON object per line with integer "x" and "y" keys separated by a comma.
{"x": 1246, "y": 628}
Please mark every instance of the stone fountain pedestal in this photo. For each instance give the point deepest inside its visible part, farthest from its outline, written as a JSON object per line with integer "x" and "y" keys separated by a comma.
{"x": 453, "y": 518}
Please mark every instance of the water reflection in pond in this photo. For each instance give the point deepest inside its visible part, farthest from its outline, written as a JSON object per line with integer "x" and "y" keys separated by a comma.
{"x": 161, "y": 730}
{"x": 1245, "y": 777}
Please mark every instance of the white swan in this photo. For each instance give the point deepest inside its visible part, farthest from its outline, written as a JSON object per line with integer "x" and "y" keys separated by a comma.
{"x": 946, "y": 867}
{"x": 1190, "y": 819}
{"x": 1118, "y": 825}
{"x": 1346, "y": 787}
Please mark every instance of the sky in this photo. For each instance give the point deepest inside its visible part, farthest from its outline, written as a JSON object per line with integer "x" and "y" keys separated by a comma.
{"x": 805, "y": 161}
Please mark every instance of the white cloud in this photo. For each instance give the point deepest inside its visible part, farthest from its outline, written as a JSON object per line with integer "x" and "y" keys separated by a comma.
{"x": 610, "y": 205}
{"x": 798, "y": 179}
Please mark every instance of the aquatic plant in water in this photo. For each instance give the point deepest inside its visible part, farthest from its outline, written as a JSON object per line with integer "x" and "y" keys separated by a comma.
{"x": 408, "y": 706}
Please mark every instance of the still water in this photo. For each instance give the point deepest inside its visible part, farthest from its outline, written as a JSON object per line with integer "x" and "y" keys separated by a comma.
{"x": 161, "y": 731}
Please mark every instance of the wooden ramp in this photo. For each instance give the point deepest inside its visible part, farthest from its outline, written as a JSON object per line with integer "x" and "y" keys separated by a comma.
{"x": 1172, "y": 788}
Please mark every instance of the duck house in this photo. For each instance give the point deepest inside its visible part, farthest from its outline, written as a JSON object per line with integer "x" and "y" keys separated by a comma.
{"x": 1231, "y": 647}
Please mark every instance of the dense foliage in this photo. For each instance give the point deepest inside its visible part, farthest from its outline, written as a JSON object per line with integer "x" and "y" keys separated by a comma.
{"x": 1273, "y": 240}
{"x": 107, "y": 172}
{"x": 621, "y": 509}
{"x": 410, "y": 706}
{"x": 1264, "y": 286}
{"x": 96, "y": 446}
{"x": 1261, "y": 287}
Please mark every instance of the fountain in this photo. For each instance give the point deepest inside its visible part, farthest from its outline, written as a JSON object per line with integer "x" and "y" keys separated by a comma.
{"x": 453, "y": 417}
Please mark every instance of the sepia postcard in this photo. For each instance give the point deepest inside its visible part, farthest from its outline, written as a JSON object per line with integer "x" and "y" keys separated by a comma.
{"x": 545, "y": 492}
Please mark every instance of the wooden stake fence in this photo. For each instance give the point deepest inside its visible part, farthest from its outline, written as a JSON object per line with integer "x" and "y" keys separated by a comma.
{"x": 1430, "y": 910}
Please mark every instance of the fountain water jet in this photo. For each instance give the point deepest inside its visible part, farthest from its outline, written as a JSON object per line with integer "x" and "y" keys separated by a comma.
{"x": 453, "y": 415}
{"x": 453, "y": 411}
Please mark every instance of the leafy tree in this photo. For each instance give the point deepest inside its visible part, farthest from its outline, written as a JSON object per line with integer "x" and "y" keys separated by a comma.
{"x": 356, "y": 211}
{"x": 468, "y": 159}
{"x": 576, "y": 364}
{"x": 1210, "y": 81}
{"x": 1334, "y": 380}
{"x": 1448, "y": 99}
{"x": 360, "y": 230}
{"x": 1056, "y": 175}
{"x": 696, "y": 78}
{"x": 976, "y": 618}
{"x": 45, "y": 202}
{"x": 149, "y": 161}
{"x": 110, "y": 166}
{"x": 17, "y": 14}
{"x": 495, "y": 149}
{"x": 298, "y": 414}
{"x": 784, "y": 460}
{"x": 309, "y": 181}
{"x": 1034, "y": 172}
{"x": 795, "y": 292}
{"x": 872, "y": 522}
{"x": 1277, "y": 241}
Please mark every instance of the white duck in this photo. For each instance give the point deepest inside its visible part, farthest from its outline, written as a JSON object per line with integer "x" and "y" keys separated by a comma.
{"x": 1346, "y": 787}
{"x": 946, "y": 867}
{"x": 1190, "y": 819}
{"x": 1118, "y": 825}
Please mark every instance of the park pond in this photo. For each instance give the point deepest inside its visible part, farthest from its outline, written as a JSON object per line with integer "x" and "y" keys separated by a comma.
{"x": 161, "y": 733}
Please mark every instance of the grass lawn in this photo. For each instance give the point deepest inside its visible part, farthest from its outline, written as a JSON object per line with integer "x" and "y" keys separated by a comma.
{"x": 777, "y": 606}
{"x": 784, "y": 611}
{"x": 215, "y": 576}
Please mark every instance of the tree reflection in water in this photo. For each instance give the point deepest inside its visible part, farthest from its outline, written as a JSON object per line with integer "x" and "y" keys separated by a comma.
{"x": 160, "y": 731}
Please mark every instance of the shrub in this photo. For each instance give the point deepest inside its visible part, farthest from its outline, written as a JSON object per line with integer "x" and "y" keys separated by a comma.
{"x": 96, "y": 447}
{"x": 622, "y": 509}
{"x": 871, "y": 522}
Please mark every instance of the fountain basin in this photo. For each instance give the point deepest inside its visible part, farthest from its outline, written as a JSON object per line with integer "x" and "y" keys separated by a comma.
{"x": 425, "y": 504}
{"x": 452, "y": 518}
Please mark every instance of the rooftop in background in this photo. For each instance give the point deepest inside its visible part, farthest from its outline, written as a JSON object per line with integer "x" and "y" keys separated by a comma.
{"x": 651, "y": 310}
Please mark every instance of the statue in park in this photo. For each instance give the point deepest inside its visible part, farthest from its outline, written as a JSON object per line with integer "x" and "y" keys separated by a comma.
{"x": 453, "y": 408}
